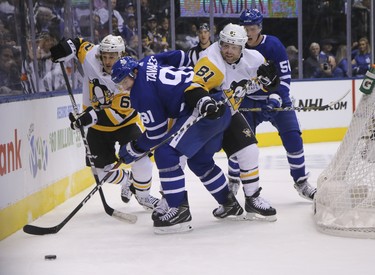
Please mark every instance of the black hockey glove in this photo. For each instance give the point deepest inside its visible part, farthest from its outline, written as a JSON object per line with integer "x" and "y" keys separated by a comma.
{"x": 63, "y": 51}
{"x": 267, "y": 75}
{"x": 87, "y": 118}
{"x": 208, "y": 105}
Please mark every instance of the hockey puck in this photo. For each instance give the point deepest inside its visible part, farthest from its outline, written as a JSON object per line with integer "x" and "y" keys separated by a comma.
{"x": 50, "y": 257}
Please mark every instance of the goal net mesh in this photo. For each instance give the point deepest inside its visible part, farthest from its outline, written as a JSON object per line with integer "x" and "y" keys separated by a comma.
{"x": 345, "y": 200}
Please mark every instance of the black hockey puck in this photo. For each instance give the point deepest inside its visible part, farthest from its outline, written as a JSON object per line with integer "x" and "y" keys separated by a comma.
{"x": 50, "y": 257}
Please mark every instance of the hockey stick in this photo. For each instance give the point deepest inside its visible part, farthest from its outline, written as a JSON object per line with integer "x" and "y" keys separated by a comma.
{"x": 297, "y": 108}
{"x": 37, "y": 230}
{"x": 109, "y": 210}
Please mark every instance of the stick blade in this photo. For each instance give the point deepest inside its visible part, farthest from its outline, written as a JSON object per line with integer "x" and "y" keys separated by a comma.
{"x": 36, "y": 230}
{"x": 130, "y": 218}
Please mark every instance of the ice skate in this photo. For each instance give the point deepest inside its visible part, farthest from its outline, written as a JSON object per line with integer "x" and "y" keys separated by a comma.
{"x": 175, "y": 220}
{"x": 148, "y": 202}
{"x": 127, "y": 189}
{"x": 258, "y": 208}
{"x": 230, "y": 208}
{"x": 160, "y": 209}
{"x": 304, "y": 189}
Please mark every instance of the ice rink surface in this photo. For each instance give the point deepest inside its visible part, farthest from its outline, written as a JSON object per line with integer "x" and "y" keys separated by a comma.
{"x": 94, "y": 243}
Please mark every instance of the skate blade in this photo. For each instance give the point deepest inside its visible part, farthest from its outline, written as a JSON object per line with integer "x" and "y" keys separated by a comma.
{"x": 147, "y": 208}
{"x": 257, "y": 217}
{"x": 125, "y": 199}
{"x": 177, "y": 228}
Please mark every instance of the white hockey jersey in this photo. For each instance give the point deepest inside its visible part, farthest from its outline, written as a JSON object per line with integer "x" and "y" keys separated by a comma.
{"x": 212, "y": 72}
{"x": 99, "y": 91}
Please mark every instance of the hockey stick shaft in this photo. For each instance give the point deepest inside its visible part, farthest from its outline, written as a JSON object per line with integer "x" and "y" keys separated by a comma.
{"x": 297, "y": 108}
{"x": 179, "y": 131}
{"x": 37, "y": 230}
{"x": 109, "y": 210}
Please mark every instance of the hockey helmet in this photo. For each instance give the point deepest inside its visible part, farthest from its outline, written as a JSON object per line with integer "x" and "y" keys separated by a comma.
{"x": 234, "y": 34}
{"x": 251, "y": 17}
{"x": 112, "y": 44}
{"x": 122, "y": 68}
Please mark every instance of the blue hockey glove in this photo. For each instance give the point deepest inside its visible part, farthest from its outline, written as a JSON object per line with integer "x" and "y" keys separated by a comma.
{"x": 208, "y": 105}
{"x": 87, "y": 118}
{"x": 130, "y": 152}
{"x": 273, "y": 101}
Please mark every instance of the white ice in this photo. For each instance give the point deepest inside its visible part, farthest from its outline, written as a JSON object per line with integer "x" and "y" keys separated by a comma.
{"x": 97, "y": 244}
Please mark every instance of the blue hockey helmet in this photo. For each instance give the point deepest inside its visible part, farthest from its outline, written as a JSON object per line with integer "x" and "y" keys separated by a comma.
{"x": 251, "y": 17}
{"x": 122, "y": 68}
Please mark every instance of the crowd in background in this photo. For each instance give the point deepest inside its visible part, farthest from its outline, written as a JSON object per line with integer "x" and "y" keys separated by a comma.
{"x": 25, "y": 65}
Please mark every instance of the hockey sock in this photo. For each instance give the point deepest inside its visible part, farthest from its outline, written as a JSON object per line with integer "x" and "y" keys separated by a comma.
{"x": 173, "y": 184}
{"x": 233, "y": 168}
{"x": 118, "y": 176}
{"x": 296, "y": 158}
{"x": 215, "y": 182}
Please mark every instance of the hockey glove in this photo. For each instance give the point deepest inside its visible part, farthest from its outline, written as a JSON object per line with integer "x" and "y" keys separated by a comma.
{"x": 87, "y": 118}
{"x": 130, "y": 152}
{"x": 63, "y": 51}
{"x": 268, "y": 110}
{"x": 213, "y": 110}
{"x": 267, "y": 75}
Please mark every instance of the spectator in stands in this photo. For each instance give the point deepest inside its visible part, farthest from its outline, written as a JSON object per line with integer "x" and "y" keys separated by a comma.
{"x": 10, "y": 81}
{"x": 133, "y": 46}
{"x": 103, "y": 12}
{"x": 6, "y": 15}
{"x": 186, "y": 41}
{"x": 120, "y": 19}
{"x": 326, "y": 47}
{"x": 151, "y": 31}
{"x": 130, "y": 29}
{"x": 192, "y": 37}
{"x": 362, "y": 61}
{"x": 115, "y": 30}
{"x": 129, "y": 10}
{"x": 145, "y": 11}
{"x": 56, "y": 6}
{"x": 6, "y": 38}
{"x": 341, "y": 69}
{"x": 314, "y": 65}
{"x": 38, "y": 81}
{"x": 146, "y": 49}
{"x": 292, "y": 53}
{"x": 46, "y": 21}
{"x": 6, "y": 7}
{"x": 164, "y": 34}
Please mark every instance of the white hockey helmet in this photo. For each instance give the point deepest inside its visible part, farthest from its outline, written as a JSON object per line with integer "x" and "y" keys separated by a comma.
{"x": 112, "y": 44}
{"x": 234, "y": 34}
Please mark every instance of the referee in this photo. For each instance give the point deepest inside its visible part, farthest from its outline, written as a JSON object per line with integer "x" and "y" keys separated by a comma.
{"x": 204, "y": 42}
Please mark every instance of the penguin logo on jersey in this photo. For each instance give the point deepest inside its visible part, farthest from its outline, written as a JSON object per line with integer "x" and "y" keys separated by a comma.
{"x": 101, "y": 97}
{"x": 236, "y": 93}
{"x": 247, "y": 132}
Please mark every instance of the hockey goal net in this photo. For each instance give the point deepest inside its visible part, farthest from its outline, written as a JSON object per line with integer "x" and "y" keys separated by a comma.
{"x": 345, "y": 200}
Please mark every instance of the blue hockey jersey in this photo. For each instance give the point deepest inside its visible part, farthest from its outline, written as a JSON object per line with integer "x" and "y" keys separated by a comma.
{"x": 158, "y": 93}
{"x": 272, "y": 49}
